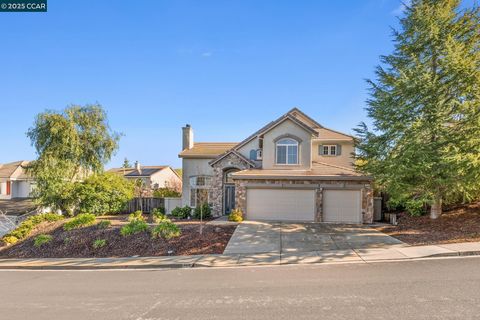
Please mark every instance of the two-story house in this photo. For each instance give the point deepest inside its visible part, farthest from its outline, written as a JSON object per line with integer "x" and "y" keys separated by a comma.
{"x": 292, "y": 169}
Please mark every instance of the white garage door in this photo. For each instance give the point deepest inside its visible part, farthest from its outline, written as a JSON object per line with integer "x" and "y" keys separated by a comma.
{"x": 342, "y": 206}
{"x": 280, "y": 204}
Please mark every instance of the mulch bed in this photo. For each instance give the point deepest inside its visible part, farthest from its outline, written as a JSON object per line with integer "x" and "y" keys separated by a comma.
{"x": 461, "y": 224}
{"x": 78, "y": 243}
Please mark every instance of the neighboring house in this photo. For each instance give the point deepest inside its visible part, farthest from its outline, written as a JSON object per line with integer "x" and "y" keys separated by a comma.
{"x": 14, "y": 180}
{"x": 291, "y": 169}
{"x": 152, "y": 176}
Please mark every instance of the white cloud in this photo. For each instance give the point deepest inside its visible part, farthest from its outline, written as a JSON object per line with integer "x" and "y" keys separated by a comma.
{"x": 207, "y": 54}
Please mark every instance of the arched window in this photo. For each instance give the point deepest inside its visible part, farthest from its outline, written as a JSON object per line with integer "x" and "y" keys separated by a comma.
{"x": 287, "y": 151}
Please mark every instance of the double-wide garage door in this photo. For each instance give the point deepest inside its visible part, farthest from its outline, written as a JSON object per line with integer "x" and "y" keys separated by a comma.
{"x": 280, "y": 204}
{"x": 299, "y": 205}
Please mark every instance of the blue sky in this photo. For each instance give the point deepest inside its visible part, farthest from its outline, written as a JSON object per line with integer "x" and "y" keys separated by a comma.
{"x": 225, "y": 67}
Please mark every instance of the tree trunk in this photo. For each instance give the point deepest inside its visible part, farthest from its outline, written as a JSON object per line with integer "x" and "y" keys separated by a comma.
{"x": 436, "y": 209}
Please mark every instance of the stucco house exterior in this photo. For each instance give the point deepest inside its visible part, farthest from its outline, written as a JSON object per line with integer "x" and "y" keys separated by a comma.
{"x": 292, "y": 169}
{"x": 152, "y": 176}
{"x": 14, "y": 180}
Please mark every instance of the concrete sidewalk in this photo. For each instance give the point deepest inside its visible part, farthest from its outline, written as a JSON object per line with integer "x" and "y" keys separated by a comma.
{"x": 267, "y": 258}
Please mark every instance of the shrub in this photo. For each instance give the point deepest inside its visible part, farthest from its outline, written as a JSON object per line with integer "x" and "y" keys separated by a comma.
{"x": 166, "y": 193}
{"x": 159, "y": 215}
{"x": 203, "y": 210}
{"x": 104, "y": 193}
{"x": 99, "y": 243}
{"x": 236, "y": 215}
{"x": 166, "y": 229}
{"x": 415, "y": 207}
{"x": 45, "y": 217}
{"x": 104, "y": 224}
{"x": 159, "y": 210}
{"x": 24, "y": 228}
{"x": 182, "y": 213}
{"x": 80, "y": 221}
{"x": 42, "y": 239}
{"x": 134, "y": 227}
{"x": 10, "y": 239}
{"x": 136, "y": 216}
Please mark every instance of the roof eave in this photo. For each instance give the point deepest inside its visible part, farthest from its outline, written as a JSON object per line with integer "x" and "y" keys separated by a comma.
{"x": 287, "y": 177}
{"x": 197, "y": 156}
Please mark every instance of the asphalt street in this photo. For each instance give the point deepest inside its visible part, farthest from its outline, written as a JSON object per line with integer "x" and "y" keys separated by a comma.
{"x": 425, "y": 289}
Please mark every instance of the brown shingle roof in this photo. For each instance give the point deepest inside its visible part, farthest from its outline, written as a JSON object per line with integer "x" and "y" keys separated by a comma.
{"x": 14, "y": 170}
{"x": 319, "y": 171}
{"x": 207, "y": 149}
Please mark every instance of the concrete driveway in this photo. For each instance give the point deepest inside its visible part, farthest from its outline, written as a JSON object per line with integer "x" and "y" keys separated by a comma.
{"x": 253, "y": 237}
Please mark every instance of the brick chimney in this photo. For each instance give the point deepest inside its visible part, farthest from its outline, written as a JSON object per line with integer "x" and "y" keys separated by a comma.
{"x": 187, "y": 139}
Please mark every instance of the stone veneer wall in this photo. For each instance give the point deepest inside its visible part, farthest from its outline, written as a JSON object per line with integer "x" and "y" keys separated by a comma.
{"x": 231, "y": 161}
{"x": 367, "y": 193}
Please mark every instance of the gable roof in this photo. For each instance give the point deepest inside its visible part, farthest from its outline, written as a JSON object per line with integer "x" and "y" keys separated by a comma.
{"x": 290, "y": 115}
{"x": 207, "y": 149}
{"x": 238, "y": 154}
{"x": 218, "y": 150}
{"x": 14, "y": 170}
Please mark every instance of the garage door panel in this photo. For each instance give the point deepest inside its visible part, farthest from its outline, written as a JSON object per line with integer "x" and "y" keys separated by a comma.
{"x": 281, "y": 204}
{"x": 342, "y": 206}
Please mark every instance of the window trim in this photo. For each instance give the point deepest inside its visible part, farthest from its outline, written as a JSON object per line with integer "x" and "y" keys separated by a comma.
{"x": 330, "y": 148}
{"x": 193, "y": 192}
{"x": 197, "y": 186}
{"x": 277, "y": 144}
{"x": 193, "y": 186}
{"x": 259, "y": 154}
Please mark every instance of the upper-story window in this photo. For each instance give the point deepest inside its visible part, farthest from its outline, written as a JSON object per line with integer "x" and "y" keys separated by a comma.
{"x": 329, "y": 150}
{"x": 200, "y": 181}
{"x": 287, "y": 151}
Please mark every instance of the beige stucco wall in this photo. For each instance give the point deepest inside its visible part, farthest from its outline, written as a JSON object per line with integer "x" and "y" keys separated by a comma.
{"x": 245, "y": 150}
{"x": 166, "y": 178}
{"x": 344, "y": 160}
{"x": 287, "y": 127}
{"x": 193, "y": 167}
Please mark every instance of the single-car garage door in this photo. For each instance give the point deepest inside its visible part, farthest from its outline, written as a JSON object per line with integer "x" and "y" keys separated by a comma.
{"x": 342, "y": 206}
{"x": 281, "y": 204}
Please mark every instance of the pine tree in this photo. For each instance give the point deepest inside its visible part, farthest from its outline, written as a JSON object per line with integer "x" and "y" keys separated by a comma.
{"x": 425, "y": 107}
{"x": 126, "y": 164}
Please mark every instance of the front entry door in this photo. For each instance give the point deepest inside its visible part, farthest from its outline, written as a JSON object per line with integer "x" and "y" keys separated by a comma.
{"x": 229, "y": 197}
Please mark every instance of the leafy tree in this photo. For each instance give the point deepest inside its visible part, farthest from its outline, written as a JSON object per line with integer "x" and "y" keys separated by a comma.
{"x": 70, "y": 144}
{"x": 425, "y": 106}
{"x": 104, "y": 193}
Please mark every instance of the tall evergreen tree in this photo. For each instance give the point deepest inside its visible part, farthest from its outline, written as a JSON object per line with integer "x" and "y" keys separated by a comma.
{"x": 126, "y": 163}
{"x": 425, "y": 107}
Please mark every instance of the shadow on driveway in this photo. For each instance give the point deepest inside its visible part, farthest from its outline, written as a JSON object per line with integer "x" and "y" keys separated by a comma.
{"x": 253, "y": 237}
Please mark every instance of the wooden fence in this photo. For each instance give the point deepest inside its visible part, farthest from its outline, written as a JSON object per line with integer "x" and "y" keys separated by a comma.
{"x": 145, "y": 204}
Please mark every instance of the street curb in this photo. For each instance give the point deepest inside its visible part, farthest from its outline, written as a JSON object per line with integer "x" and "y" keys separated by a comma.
{"x": 204, "y": 265}
{"x": 455, "y": 254}
{"x": 95, "y": 267}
